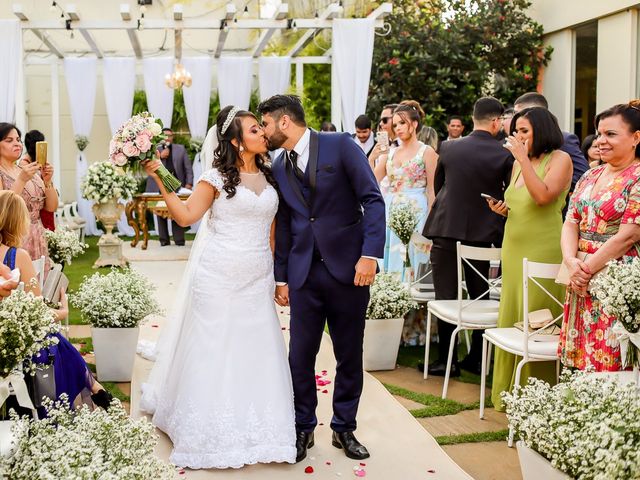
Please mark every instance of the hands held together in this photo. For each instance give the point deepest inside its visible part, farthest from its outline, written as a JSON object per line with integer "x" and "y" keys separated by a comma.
{"x": 579, "y": 275}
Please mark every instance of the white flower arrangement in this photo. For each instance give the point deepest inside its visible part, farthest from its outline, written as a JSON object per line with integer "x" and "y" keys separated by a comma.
{"x": 389, "y": 298}
{"x": 403, "y": 220}
{"x": 119, "y": 299}
{"x": 80, "y": 444}
{"x": 103, "y": 182}
{"x": 81, "y": 142}
{"x": 64, "y": 245}
{"x": 25, "y": 322}
{"x": 618, "y": 290}
{"x": 587, "y": 426}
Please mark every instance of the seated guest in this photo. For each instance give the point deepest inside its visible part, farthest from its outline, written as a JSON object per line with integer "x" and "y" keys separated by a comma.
{"x": 30, "y": 140}
{"x": 410, "y": 169}
{"x": 72, "y": 375}
{"x": 328, "y": 127}
{"x": 533, "y": 205}
{"x": 364, "y": 136}
{"x": 604, "y": 221}
{"x": 590, "y": 151}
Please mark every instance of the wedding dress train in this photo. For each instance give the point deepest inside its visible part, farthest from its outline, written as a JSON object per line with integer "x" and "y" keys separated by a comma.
{"x": 221, "y": 386}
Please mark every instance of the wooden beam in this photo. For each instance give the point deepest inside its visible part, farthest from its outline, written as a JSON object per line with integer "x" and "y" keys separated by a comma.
{"x": 19, "y": 12}
{"x": 177, "y": 11}
{"x": 125, "y": 11}
{"x": 224, "y": 28}
{"x": 135, "y": 43}
{"x": 74, "y": 16}
{"x": 280, "y": 14}
{"x": 333, "y": 10}
{"x": 43, "y": 36}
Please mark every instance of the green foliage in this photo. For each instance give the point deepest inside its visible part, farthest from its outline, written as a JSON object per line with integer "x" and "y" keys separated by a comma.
{"x": 139, "y": 102}
{"x": 446, "y": 54}
{"x": 498, "y": 436}
{"x": 317, "y": 94}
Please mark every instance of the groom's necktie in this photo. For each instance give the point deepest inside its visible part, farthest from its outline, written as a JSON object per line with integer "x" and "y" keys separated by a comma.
{"x": 293, "y": 160}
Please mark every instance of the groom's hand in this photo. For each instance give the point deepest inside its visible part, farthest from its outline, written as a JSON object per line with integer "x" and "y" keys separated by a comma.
{"x": 365, "y": 272}
{"x": 282, "y": 295}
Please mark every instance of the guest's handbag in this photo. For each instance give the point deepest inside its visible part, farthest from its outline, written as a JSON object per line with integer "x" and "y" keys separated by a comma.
{"x": 43, "y": 383}
{"x": 564, "y": 277}
{"x": 541, "y": 323}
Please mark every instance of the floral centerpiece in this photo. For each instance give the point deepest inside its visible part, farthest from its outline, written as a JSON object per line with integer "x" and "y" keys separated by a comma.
{"x": 587, "y": 426}
{"x": 119, "y": 299}
{"x": 135, "y": 142}
{"x": 80, "y": 444}
{"x": 81, "y": 142}
{"x": 103, "y": 182}
{"x": 403, "y": 220}
{"x": 63, "y": 245}
{"x": 618, "y": 290}
{"x": 25, "y": 323}
{"x": 389, "y": 298}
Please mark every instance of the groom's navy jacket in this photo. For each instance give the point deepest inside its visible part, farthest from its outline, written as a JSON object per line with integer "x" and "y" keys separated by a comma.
{"x": 335, "y": 213}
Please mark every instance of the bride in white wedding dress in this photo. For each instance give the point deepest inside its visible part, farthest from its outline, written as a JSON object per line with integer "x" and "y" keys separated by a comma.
{"x": 221, "y": 386}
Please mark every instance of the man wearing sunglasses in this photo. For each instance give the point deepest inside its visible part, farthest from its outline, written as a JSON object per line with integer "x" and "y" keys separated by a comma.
{"x": 385, "y": 124}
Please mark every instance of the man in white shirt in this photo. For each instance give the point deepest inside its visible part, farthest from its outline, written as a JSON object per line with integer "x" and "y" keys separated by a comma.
{"x": 364, "y": 136}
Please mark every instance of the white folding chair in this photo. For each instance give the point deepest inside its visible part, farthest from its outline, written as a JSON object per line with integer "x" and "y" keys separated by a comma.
{"x": 80, "y": 221}
{"x": 38, "y": 265}
{"x": 68, "y": 220}
{"x": 465, "y": 314}
{"x": 516, "y": 341}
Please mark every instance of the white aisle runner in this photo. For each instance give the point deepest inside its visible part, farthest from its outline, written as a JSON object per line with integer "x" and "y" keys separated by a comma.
{"x": 400, "y": 448}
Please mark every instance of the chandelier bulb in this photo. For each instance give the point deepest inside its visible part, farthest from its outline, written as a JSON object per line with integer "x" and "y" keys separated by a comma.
{"x": 245, "y": 13}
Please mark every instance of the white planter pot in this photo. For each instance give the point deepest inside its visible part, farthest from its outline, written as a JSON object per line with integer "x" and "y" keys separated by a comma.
{"x": 6, "y": 437}
{"x": 381, "y": 343}
{"x": 115, "y": 351}
{"x": 535, "y": 467}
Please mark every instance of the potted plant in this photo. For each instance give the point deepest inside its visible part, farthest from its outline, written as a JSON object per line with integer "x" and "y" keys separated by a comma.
{"x": 115, "y": 304}
{"x": 105, "y": 184}
{"x": 64, "y": 245}
{"x": 586, "y": 427}
{"x": 83, "y": 444}
{"x": 390, "y": 302}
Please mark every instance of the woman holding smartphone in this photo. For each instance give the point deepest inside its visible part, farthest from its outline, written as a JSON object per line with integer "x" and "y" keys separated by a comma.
{"x": 32, "y": 182}
{"x": 533, "y": 206}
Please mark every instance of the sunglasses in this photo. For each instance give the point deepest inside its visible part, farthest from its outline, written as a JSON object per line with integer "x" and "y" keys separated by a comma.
{"x": 384, "y": 120}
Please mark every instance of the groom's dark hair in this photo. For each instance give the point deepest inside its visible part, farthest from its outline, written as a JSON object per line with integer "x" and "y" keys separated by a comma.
{"x": 279, "y": 105}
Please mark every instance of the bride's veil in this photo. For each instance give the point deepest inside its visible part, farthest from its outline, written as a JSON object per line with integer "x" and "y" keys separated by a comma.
{"x": 178, "y": 321}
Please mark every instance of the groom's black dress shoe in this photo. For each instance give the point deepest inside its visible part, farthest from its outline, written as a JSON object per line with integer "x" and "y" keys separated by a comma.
{"x": 350, "y": 444}
{"x": 304, "y": 440}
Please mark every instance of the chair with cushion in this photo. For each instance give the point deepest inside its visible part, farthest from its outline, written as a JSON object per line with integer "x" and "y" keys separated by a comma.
{"x": 535, "y": 346}
{"x": 465, "y": 314}
{"x": 38, "y": 265}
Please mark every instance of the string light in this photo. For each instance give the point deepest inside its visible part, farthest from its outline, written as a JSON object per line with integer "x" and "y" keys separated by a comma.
{"x": 245, "y": 13}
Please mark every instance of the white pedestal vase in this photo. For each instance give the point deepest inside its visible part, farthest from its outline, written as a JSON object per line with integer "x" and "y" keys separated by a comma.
{"x": 535, "y": 467}
{"x": 381, "y": 343}
{"x": 115, "y": 352}
{"x": 110, "y": 245}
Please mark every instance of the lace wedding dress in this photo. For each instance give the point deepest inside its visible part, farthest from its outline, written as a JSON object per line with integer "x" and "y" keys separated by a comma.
{"x": 221, "y": 386}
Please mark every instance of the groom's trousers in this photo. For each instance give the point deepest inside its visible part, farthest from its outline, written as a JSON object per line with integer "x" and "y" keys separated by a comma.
{"x": 343, "y": 307}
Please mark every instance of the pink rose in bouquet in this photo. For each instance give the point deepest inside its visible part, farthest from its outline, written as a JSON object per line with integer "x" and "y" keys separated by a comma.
{"x": 135, "y": 142}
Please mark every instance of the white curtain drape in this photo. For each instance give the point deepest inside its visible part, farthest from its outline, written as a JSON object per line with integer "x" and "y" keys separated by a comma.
{"x": 159, "y": 96}
{"x": 274, "y": 76}
{"x": 10, "y": 66}
{"x": 119, "y": 81}
{"x": 352, "y": 56}
{"x": 235, "y": 76}
{"x": 81, "y": 77}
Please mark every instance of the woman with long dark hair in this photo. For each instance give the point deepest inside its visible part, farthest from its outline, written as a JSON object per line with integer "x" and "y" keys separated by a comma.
{"x": 221, "y": 387}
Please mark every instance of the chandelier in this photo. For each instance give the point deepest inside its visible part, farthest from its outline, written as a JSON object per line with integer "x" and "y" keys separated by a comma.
{"x": 179, "y": 78}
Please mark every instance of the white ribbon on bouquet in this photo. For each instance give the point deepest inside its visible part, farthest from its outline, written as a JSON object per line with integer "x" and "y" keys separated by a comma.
{"x": 15, "y": 380}
{"x": 624, "y": 337}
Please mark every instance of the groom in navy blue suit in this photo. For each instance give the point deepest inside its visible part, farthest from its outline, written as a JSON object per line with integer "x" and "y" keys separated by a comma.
{"x": 330, "y": 229}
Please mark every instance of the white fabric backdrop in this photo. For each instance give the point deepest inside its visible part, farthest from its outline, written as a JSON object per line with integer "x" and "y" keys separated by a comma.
{"x": 352, "y": 56}
{"x": 274, "y": 76}
{"x": 235, "y": 75}
{"x": 10, "y": 66}
{"x": 159, "y": 97}
{"x": 81, "y": 77}
{"x": 198, "y": 95}
{"x": 119, "y": 80}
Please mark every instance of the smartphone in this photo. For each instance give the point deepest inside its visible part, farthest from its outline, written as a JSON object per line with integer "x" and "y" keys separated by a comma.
{"x": 489, "y": 197}
{"x": 41, "y": 153}
{"x": 382, "y": 138}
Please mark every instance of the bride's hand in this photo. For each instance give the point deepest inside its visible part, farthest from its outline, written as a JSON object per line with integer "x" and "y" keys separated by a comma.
{"x": 150, "y": 166}
{"x": 282, "y": 295}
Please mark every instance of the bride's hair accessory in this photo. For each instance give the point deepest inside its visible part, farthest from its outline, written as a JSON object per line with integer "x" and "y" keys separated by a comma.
{"x": 229, "y": 119}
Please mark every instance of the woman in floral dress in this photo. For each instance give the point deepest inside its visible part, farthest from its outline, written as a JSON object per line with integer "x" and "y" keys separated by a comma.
{"x": 603, "y": 221}
{"x": 410, "y": 169}
{"x": 32, "y": 182}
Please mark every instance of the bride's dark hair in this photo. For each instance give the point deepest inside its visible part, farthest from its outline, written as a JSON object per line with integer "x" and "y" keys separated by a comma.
{"x": 226, "y": 155}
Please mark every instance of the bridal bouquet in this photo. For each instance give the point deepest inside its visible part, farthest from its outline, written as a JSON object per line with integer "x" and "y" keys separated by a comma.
{"x": 104, "y": 182}
{"x": 135, "y": 142}
{"x": 403, "y": 220}
{"x": 588, "y": 425}
{"x": 119, "y": 299}
{"x": 618, "y": 290}
{"x": 25, "y": 323}
{"x": 63, "y": 245}
{"x": 80, "y": 444}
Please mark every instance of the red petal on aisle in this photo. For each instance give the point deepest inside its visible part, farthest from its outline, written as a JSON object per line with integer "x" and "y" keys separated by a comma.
{"x": 309, "y": 469}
